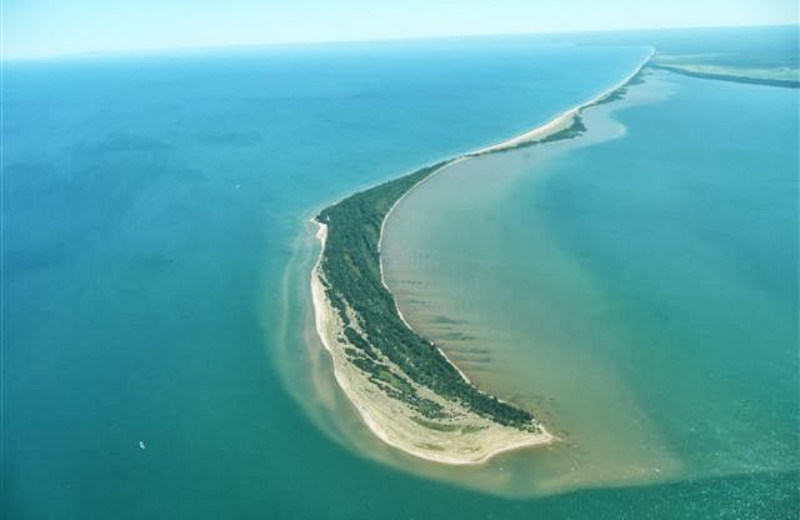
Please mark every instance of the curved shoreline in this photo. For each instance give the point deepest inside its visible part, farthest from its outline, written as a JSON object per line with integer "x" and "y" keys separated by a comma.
{"x": 371, "y": 405}
{"x": 323, "y": 316}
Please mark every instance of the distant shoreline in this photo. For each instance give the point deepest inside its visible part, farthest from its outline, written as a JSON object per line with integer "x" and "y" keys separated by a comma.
{"x": 393, "y": 394}
{"x": 784, "y": 83}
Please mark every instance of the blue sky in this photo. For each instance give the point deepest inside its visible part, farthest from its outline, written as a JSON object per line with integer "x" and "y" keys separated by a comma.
{"x": 40, "y": 28}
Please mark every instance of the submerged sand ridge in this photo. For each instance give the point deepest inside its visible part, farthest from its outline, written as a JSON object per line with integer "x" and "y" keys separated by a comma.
{"x": 456, "y": 433}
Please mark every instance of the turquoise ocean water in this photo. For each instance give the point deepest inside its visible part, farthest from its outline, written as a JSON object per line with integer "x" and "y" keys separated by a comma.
{"x": 639, "y": 292}
{"x": 154, "y": 235}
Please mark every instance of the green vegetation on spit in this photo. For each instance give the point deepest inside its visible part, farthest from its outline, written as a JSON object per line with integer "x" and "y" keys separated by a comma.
{"x": 351, "y": 276}
{"x": 615, "y": 95}
{"x": 575, "y": 129}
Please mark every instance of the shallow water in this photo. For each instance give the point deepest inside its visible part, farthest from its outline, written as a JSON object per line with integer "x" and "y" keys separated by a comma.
{"x": 638, "y": 293}
{"x": 156, "y": 262}
{"x": 151, "y": 206}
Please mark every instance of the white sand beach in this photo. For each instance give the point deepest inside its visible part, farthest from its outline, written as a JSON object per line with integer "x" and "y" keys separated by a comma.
{"x": 466, "y": 437}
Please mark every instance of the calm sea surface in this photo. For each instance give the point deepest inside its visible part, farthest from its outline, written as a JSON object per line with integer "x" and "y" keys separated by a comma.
{"x": 156, "y": 256}
{"x": 640, "y": 292}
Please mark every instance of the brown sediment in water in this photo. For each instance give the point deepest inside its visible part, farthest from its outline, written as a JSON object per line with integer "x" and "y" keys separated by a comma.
{"x": 468, "y": 437}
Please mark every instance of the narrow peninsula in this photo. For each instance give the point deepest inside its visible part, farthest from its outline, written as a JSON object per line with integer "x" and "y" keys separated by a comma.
{"x": 756, "y": 72}
{"x": 404, "y": 387}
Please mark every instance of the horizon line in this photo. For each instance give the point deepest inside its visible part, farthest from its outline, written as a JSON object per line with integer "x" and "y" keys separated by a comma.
{"x": 150, "y": 51}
